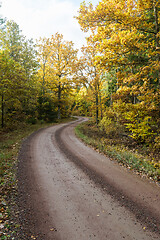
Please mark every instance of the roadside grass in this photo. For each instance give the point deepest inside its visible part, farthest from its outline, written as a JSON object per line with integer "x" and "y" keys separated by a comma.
{"x": 121, "y": 149}
{"x": 10, "y": 143}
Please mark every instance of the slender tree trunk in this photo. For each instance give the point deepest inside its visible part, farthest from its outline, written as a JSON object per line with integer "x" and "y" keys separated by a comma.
{"x": 2, "y": 123}
{"x": 157, "y": 28}
{"x": 97, "y": 103}
{"x": 43, "y": 86}
{"x": 97, "y": 112}
{"x": 59, "y": 86}
{"x": 111, "y": 100}
{"x": 96, "y": 92}
{"x": 42, "y": 94}
{"x": 59, "y": 101}
{"x": 117, "y": 80}
{"x": 100, "y": 99}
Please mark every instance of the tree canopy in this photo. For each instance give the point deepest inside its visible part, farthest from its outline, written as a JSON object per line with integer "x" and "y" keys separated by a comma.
{"x": 126, "y": 36}
{"x": 57, "y": 68}
{"x": 118, "y": 70}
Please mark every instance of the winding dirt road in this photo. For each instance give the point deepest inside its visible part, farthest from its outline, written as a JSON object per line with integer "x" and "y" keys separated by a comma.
{"x": 68, "y": 191}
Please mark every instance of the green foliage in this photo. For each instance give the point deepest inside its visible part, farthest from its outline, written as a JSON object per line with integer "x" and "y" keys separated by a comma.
{"x": 18, "y": 86}
{"x": 46, "y": 109}
{"x": 109, "y": 86}
{"x": 19, "y": 48}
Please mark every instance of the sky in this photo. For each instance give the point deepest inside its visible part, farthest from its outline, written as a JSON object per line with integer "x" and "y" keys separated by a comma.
{"x": 43, "y": 18}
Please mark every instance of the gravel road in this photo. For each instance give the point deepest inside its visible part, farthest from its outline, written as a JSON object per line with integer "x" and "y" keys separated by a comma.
{"x": 68, "y": 191}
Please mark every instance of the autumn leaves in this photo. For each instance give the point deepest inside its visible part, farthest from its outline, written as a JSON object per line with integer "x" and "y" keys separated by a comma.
{"x": 126, "y": 38}
{"x": 58, "y": 60}
{"x": 118, "y": 69}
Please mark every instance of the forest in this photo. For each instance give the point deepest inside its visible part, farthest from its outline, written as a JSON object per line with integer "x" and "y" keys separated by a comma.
{"x": 115, "y": 79}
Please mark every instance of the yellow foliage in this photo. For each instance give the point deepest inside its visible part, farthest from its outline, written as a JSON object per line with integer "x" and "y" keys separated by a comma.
{"x": 126, "y": 39}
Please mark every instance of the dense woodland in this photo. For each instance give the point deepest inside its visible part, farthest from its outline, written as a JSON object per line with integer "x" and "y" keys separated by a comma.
{"x": 116, "y": 79}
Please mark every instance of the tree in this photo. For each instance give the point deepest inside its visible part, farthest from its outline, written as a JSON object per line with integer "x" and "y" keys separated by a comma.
{"x": 18, "y": 74}
{"x": 12, "y": 40}
{"x": 44, "y": 51}
{"x": 19, "y": 48}
{"x": 127, "y": 37}
{"x": 93, "y": 74}
{"x": 81, "y": 106}
{"x": 43, "y": 48}
{"x": 127, "y": 32}
{"x": 62, "y": 59}
{"x": 12, "y": 88}
{"x": 57, "y": 68}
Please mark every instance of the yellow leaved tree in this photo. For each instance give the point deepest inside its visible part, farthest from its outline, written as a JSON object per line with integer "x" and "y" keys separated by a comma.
{"x": 127, "y": 37}
{"x": 58, "y": 60}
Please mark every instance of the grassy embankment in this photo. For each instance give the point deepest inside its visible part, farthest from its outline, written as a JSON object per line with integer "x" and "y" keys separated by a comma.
{"x": 10, "y": 143}
{"x": 122, "y": 148}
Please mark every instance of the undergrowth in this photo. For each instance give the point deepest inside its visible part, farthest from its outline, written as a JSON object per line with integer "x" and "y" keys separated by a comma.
{"x": 122, "y": 149}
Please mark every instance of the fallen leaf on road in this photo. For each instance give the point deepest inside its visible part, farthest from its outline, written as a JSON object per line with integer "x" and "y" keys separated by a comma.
{"x": 1, "y": 226}
{"x": 33, "y": 237}
{"x": 53, "y": 229}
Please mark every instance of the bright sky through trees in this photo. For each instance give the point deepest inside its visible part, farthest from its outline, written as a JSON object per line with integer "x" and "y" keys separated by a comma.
{"x": 42, "y": 18}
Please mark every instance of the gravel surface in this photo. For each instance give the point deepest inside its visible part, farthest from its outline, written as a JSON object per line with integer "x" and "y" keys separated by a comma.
{"x": 67, "y": 190}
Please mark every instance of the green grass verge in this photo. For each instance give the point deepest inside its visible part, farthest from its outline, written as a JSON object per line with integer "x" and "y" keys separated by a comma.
{"x": 133, "y": 160}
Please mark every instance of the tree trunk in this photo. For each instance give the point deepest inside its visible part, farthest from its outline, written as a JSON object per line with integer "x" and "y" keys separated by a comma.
{"x": 59, "y": 101}
{"x": 157, "y": 28}
{"x": 97, "y": 112}
{"x": 2, "y": 123}
{"x": 100, "y": 99}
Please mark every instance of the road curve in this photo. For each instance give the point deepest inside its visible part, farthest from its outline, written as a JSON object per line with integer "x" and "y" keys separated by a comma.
{"x": 68, "y": 191}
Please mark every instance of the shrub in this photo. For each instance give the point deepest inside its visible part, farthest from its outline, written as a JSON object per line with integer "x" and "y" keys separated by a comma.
{"x": 107, "y": 125}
